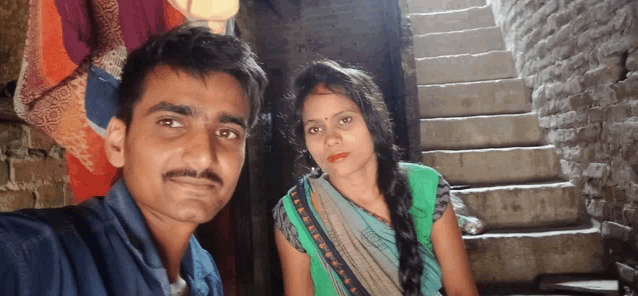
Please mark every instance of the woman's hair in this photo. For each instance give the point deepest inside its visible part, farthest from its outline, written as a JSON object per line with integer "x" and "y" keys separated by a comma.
{"x": 360, "y": 88}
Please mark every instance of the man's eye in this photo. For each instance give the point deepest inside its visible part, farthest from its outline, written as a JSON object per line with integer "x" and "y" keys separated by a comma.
{"x": 169, "y": 122}
{"x": 227, "y": 134}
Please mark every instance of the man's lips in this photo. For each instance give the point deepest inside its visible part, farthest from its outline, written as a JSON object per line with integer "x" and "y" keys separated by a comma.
{"x": 334, "y": 158}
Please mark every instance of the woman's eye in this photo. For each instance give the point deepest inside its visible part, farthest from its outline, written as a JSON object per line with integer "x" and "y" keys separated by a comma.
{"x": 313, "y": 130}
{"x": 345, "y": 120}
{"x": 227, "y": 134}
{"x": 169, "y": 122}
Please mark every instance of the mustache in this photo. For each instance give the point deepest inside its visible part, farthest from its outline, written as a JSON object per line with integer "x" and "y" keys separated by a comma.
{"x": 205, "y": 174}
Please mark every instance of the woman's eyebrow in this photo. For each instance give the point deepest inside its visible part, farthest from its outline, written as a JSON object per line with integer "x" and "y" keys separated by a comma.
{"x": 344, "y": 111}
{"x": 332, "y": 116}
{"x": 310, "y": 121}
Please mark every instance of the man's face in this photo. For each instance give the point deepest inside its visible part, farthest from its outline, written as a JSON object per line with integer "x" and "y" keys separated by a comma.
{"x": 185, "y": 146}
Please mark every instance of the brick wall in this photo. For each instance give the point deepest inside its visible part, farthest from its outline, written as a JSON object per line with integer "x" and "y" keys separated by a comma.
{"x": 580, "y": 57}
{"x": 32, "y": 166}
{"x": 32, "y": 169}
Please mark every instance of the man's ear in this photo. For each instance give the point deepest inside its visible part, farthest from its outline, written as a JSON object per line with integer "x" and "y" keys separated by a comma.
{"x": 114, "y": 142}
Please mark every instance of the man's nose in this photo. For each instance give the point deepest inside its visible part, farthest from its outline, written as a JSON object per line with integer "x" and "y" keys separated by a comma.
{"x": 199, "y": 153}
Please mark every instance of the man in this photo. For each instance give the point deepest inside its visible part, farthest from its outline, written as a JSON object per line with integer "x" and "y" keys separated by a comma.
{"x": 186, "y": 102}
{"x": 72, "y": 64}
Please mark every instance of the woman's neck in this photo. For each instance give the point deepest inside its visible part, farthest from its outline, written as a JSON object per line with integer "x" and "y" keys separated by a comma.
{"x": 360, "y": 186}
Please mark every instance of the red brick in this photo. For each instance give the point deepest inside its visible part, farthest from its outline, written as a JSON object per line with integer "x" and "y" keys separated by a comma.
{"x": 68, "y": 194}
{"x": 15, "y": 200}
{"x": 4, "y": 172}
{"x": 11, "y": 135}
{"x": 40, "y": 140}
{"x": 49, "y": 196}
{"x": 50, "y": 169}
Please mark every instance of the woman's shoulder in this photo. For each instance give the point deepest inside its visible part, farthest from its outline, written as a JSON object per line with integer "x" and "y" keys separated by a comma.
{"x": 284, "y": 224}
{"x": 280, "y": 204}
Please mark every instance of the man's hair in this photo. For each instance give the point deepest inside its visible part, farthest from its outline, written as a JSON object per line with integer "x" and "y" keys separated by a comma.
{"x": 197, "y": 52}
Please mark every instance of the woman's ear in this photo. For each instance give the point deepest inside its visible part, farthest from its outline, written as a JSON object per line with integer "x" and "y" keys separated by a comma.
{"x": 114, "y": 142}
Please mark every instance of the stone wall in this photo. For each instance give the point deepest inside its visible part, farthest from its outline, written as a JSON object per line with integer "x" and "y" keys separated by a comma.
{"x": 580, "y": 58}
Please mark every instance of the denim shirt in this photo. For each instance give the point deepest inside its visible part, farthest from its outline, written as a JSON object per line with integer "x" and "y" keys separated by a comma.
{"x": 100, "y": 247}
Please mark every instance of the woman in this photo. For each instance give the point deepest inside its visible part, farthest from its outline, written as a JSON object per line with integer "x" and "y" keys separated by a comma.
{"x": 369, "y": 225}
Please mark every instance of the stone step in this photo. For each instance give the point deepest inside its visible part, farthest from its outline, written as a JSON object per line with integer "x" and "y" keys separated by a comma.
{"x": 465, "y": 68}
{"x": 485, "y": 131}
{"x": 474, "y": 98}
{"x": 520, "y": 257}
{"x": 514, "y": 289}
{"x": 527, "y": 205}
{"x": 495, "y": 166}
{"x": 459, "y": 42}
{"x": 425, "y": 6}
{"x": 457, "y": 20}
{"x": 592, "y": 284}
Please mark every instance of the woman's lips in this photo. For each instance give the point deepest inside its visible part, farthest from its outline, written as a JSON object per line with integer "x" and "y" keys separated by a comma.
{"x": 336, "y": 157}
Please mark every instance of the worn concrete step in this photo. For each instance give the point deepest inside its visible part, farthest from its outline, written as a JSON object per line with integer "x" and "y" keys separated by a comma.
{"x": 459, "y": 42}
{"x": 457, "y": 20}
{"x": 520, "y": 257}
{"x": 515, "y": 289}
{"x": 474, "y": 98}
{"x": 590, "y": 284}
{"x": 465, "y": 68}
{"x": 484, "y": 131}
{"x": 525, "y": 205}
{"x": 425, "y": 6}
{"x": 495, "y": 166}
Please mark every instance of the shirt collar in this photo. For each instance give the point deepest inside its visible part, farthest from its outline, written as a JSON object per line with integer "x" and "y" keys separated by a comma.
{"x": 129, "y": 216}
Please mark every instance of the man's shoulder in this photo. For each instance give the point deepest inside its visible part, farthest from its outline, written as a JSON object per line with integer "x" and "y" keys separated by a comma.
{"x": 201, "y": 268}
{"x": 45, "y": 224}
{"x": 203, "y": 257}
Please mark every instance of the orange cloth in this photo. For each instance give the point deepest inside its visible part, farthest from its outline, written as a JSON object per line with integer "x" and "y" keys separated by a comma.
{"x": 52, "y": 85}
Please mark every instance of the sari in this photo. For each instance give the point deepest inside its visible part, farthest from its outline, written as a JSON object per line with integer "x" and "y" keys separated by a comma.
{"x": 352, "y": 251}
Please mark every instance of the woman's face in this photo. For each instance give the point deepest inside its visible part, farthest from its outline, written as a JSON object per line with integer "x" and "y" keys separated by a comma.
{"x": 336, "y": 134}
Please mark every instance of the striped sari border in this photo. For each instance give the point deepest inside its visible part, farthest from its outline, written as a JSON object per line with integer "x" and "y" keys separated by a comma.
{"x": 328, "y": 250}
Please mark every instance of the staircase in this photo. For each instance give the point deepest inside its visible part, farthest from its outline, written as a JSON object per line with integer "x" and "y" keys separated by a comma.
{"x": 478, "y": 129}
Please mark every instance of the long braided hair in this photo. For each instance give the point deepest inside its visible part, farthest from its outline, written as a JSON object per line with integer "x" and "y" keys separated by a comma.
{"x": 360, "y": 88}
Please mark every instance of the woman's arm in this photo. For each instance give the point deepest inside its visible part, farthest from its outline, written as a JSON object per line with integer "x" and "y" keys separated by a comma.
{"x": 295, "y": 267}
{"x": 450, "y": 252}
